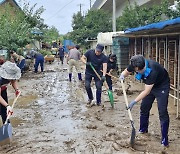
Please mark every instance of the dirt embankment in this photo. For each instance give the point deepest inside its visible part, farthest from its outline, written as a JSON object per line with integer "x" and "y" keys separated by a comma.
{"x": 51, "y": 116}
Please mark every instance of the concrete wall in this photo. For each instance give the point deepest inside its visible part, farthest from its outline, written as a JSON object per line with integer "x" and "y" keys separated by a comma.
{"x": 121, "y": 4}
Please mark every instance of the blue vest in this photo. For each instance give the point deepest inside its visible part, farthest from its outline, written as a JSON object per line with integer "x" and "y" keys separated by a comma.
{"x": 145, "y": 73}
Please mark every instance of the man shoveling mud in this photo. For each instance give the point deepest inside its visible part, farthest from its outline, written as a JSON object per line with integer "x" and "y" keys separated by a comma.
{"x": 97, "y": 59}
{"x": 157, "y": 85}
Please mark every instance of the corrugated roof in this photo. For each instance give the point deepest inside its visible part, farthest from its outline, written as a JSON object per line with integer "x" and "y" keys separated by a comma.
{"x": 158, "y": 25}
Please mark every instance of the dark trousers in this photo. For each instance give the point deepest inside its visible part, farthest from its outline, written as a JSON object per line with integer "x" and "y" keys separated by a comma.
{"x": 161, "y": 94}
{"x": 21, "y": 65}
{"x": 109, "y": 82}
{"x": 61, "y": 59}
{"x": 39, "y": 60}
{"x": 98, "y": 83}
{"x": 3, "y": 108}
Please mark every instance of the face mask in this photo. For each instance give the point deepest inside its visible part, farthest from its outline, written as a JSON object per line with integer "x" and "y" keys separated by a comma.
{"x": 146, "y": 72}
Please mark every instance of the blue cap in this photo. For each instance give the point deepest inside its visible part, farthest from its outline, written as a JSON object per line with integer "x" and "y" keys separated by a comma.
{"x": 100, "y": 47}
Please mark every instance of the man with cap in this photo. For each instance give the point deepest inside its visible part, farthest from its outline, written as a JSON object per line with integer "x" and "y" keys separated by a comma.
{"x": 9, "y": 73}
{"x": 157, "y": 85}
{"x": 98, "y": 60}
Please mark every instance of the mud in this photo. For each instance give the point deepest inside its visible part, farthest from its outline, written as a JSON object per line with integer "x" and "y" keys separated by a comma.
{"x": 51, "y": 116}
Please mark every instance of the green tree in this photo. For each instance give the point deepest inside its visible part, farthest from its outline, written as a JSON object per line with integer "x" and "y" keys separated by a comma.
{"x": 135, "y": 16}
{"x": 88, "y": 26}
{"x": 50, "y": 34}
{"x": 15, "y": 26}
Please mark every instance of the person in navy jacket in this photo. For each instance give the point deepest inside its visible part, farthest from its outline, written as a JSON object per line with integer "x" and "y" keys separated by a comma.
{"x": 98, "y": 60}
{"x": 157, "y": 86}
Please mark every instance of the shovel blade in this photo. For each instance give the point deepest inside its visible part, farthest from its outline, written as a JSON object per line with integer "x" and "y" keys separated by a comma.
{"x": 5, "y": 133}
{"x": 133, "y": 134}
{"x": 111, "y": 98}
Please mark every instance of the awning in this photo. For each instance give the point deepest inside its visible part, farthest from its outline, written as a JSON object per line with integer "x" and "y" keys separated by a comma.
{"x": 154, "y": 26}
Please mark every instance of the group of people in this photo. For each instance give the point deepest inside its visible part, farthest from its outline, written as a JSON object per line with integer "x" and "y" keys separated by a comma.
{"x": 155, "y": 77}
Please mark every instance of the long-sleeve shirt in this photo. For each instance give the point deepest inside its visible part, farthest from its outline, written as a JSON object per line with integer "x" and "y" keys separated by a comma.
{"x": 74, "y": 54}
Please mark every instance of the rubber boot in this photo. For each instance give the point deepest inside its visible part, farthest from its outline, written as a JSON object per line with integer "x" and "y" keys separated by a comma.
{"x": 164, "y": 133}
{"x": 98, "y": 97}
{"x": 79, "y": 76}
{"x": 70, "y": 77}
{"x": 144, "y": 122}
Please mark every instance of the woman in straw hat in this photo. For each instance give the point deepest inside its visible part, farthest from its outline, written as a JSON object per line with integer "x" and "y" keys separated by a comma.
{"x": 9, "y": 73}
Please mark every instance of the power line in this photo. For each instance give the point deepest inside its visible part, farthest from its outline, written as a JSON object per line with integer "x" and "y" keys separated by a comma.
{"x": 60, "y": 10}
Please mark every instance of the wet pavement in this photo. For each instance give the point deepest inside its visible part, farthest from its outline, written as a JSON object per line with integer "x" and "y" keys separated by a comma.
{"x": 51, "y": 116}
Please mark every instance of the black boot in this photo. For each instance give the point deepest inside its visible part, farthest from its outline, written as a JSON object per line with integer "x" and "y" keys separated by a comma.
{"x": 79, "y": 76}
{"x": 144, "y": 122}
{"x": 70, "y": 76}
{"x": 164, "y": 132}
{"x": 98, "y": 97}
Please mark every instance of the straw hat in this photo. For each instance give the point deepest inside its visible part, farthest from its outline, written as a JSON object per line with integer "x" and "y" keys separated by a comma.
{"x": 10, "y": 71}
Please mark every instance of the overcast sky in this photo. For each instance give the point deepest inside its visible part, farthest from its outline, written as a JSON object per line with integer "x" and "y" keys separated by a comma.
{"x": 59, "y": 13}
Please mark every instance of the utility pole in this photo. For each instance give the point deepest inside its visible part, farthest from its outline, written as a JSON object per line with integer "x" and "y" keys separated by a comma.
{"x": 114, "y": 15}
{"x": 80, "y": 5}
{"x": 90, "y": 3}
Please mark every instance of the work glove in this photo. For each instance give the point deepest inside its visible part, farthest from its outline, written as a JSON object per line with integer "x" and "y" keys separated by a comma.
{"x": 88, "y": 63}
{"x": 9, "y": 110}
{"x": 103, "y": 78}
{"x": 121, "y": 77}
{"x": 130, "y": 106}
{"x": 17, "y": 91}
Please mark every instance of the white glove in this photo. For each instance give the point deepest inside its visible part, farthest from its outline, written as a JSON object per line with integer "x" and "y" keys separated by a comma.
{"x": 9, "y": 110}
{"x": 121, "y": 77}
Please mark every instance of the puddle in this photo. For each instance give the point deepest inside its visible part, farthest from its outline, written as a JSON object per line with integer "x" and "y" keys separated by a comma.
{"x": 17, "y": 121}
{"x": 25, "y": 100}
{"x": 41, "y": 101}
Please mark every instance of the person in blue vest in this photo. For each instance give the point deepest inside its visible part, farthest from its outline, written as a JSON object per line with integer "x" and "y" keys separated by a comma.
{"x": 111, "y": 65}
{"x": 9, "y": 73}
{"x": 61, "y": 53}
{"x": 98, "y": 60}
{"x": 157, "y": 85}
{"x": 39, "y": 59}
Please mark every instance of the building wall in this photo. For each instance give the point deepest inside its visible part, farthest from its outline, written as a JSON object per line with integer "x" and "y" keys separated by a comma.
{"x": 166, "y": 51}
{"x": 121, "y": 4}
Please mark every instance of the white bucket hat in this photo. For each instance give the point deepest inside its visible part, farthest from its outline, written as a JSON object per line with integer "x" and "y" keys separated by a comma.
{"x": 10, "y": 71}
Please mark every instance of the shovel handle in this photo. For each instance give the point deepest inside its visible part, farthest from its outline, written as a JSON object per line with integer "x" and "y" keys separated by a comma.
{"x": 105, "y": 83}
{"x": 9, "y": 114}
{"x": 126, "y": 100}
{"x": 111, "y": 76}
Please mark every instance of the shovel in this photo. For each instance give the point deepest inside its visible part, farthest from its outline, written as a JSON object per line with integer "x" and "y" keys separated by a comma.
{"x": 133, "y": 133}
{"x": 6, "y": 129}
{"x": 110, "y": 94}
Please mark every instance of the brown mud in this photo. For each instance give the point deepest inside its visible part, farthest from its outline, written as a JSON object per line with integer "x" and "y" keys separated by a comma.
{"x": 51, "y": 116}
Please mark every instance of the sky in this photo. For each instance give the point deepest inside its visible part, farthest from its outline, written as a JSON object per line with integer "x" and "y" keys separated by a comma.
{"x": 59, "y": 13}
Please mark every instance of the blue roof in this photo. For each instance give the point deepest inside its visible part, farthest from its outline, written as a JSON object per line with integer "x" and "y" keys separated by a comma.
{"x": 158, "y": 25}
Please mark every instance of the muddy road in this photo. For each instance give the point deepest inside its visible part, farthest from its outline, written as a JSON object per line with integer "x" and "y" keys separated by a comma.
{"x": 51, "y": 117}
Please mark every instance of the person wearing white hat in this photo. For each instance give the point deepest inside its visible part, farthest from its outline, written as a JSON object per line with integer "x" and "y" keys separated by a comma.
{"x": 9, "y": 73}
